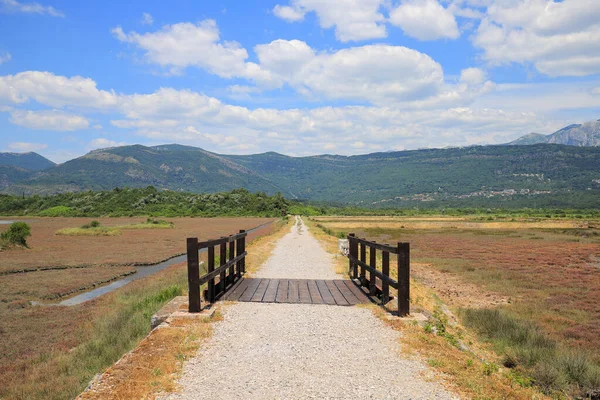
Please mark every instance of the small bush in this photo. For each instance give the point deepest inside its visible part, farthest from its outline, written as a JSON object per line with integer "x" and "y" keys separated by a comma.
{"x": 95, "y": 224}
{"x": 58, "y": 211}
{"x": 17, "y": 233}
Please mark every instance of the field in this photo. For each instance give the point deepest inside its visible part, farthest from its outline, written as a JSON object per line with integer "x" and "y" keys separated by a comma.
{"x": 52, "y": 352}
{"x": 530, "y": 271}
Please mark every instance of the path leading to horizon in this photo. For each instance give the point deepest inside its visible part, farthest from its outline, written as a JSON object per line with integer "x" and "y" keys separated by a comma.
{"x": 303, "y": 351}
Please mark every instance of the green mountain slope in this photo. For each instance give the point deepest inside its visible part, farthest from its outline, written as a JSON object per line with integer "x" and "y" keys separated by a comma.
{"x": 165, "y": 167}
{"x": 438, "y": 176}
{"x": 10, "y": 175}
{"x": 541, "y": 174}
{"x": 29, "y": 161}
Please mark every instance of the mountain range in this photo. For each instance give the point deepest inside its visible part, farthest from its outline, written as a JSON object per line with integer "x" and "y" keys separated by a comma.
{"x": 587, "y": 134}
{"x": 543, "y": 174}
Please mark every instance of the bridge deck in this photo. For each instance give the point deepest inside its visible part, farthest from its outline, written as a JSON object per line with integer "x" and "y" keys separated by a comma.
{"x": 307, "y": 291}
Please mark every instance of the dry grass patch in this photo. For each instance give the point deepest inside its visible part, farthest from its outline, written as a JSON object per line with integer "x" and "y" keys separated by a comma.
{"x": 153, "y": 367}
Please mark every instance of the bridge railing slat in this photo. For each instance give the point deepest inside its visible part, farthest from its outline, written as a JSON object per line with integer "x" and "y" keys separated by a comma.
{"x": 229, "y": 270}
{"x": 402, "y": 251}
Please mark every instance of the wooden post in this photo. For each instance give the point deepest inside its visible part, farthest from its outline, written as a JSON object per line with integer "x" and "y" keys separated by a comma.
{"x": 385, "y": 270}
{"x": 243, "y": 250}
{"x": 223, "y": 261}
{"x": 238, "y": 265}
{"x": 231, "y": 277}
{"x": 403, "y": 279}
{"x": 363, "y": 258}
{"x": 373, "y": 264}
{"x": 354, "y": 253}
{"x": 193, "y": 275}
{"x": 350, "y": 236}
{"x": 211, "y": 268}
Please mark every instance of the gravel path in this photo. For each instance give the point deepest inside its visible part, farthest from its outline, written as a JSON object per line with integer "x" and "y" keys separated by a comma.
{"x": 302, "y": 351}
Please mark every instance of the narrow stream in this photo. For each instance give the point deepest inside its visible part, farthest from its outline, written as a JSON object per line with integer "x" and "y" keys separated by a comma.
{"x": 141, "y": 272}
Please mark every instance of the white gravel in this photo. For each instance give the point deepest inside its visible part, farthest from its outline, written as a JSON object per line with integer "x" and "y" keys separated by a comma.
{"x": 302, "y": 351}
{"x": 298, "y": 255}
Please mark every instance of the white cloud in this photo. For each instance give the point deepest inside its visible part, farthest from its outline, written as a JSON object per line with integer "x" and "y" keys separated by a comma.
{"x": 289, "y": 14}
{"x": 596, "y": 90}
{"x": 558, "y": 38}
{"x": 445, "y": 117}
{"x": 4, "y": 58}
{"x": 53, "y": 120}
{"x": 29, "y": 8}
{"x": 26, "y": 147}
{"x": 472, "y": 76}
{"x": 53, "y": 90}
{"x": 376, "y": 73}
{"x": 353, "y": 19}
{"x": 185, "y": 44}
{"x": 147, "y": 19}
{"x": 102, "y": 143}
{"x": 425, "y": 20}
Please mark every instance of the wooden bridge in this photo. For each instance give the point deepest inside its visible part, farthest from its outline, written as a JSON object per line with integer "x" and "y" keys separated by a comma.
{"x": 227, "y": 282}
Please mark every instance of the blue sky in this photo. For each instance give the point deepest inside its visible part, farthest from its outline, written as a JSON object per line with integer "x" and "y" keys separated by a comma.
{"x": 299, "y": 77}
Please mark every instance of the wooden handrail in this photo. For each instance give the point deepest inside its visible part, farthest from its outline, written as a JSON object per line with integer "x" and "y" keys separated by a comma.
{"x": 229, "y": 270}
{"x": 402, "y": 285}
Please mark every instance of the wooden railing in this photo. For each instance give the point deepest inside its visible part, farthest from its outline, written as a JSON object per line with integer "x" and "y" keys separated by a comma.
{"x": 229, "y": 271}
{"x": 356, "y": 261}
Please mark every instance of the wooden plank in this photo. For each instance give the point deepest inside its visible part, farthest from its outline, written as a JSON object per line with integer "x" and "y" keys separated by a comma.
{"x": 313, "y": 289}
{"x": 282, "y": 291}
{"x": 358, "y": 292}
{"x": 211, "y": 268}
{"x": 373, "y": 264}
{"x": 260, "y": 291}
{"x": 303, "y": 292}
{"x": 235, "y": 294}
{"x": 250, "y": 290}
{"x": 385, "y": 270}
{"x": 338, "y": 297}
{"x": 325, "y": 293}
{"x": 294, "y": 296}
{"x": 348, "y": 295}
{"x": 271, "y": 292}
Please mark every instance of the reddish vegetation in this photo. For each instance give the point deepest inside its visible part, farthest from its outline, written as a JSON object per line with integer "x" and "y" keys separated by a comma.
{"x": 132, "y": 246}
{"x": 32, "y": 335}
{"x": 549, "y": 277}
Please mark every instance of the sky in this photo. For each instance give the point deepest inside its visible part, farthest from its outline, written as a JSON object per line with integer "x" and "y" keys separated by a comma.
{"x": 299, "y": 77}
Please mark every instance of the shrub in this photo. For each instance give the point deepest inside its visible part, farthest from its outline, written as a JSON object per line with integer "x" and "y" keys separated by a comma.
{"x": 58, "y": 211}
{"x": 17, "y": 233}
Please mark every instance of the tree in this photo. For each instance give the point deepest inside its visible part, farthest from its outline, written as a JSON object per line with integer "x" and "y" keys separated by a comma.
{"x": 17, "y": 233}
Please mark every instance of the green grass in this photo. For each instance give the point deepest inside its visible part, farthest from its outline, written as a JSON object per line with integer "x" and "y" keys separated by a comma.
{"x": 525, "y": 348}
{"x": 62, "y": 375}
{"x": 99, "y": 231}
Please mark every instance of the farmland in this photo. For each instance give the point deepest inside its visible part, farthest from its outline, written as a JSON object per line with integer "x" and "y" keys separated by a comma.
{"x": 52, "y": 352}
{"x": 543, "y": 272}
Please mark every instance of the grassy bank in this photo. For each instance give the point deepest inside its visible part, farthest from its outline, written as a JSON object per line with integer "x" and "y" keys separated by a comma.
{"x": 117, "y": 322}
{"x": 529, "y": 352}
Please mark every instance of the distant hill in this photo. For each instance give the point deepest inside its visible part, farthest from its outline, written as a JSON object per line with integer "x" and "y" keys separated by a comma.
{"x": 172, "y": 167}
{"x": 29, "y": 161}
{"x": 587, "y": 134}
{"x": 512, "y": 176}
{"x": 17, "y": 167}
{"x": 10, "y": 175}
